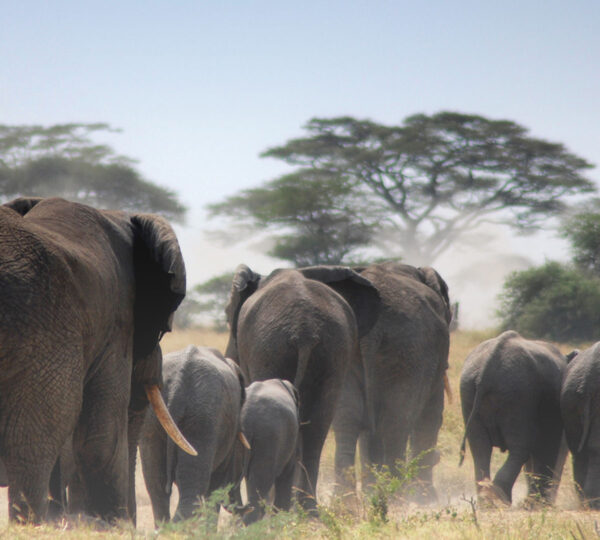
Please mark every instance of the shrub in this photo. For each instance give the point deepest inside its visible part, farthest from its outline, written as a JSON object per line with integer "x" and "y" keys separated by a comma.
{"x": 553, "y": 301}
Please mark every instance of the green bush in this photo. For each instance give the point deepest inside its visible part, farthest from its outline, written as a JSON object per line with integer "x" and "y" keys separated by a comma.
{"x": 553, "y": 301}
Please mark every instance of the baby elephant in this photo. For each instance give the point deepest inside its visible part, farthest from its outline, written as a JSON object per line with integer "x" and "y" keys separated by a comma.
{"x": 204, "y": 393}
{"x": 510, "y": 396}
{"x": 270, "y": 422}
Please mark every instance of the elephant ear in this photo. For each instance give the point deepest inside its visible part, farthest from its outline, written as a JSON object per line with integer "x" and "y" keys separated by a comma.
{"x": 244, "y": 284}
{"x": 293, "y": 391}
{"x": 22, "y": 205}
{"x": 572, "y": 354}
{"x": 357, "y": 290}
{"x": 160, "y": 283}
{"x": 241, "y": 379}
{"x": 434, "y": 281}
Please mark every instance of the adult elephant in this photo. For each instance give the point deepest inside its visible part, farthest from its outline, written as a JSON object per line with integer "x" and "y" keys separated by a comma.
{"x": 300, "y": 325}
{"x": 580, "y": 409}
{"x": 85, "y": 296}
{"x": 405, "y": 355}
{"x": 510, "y": 397}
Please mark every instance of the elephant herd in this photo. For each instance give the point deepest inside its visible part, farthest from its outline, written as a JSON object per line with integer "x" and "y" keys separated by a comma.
{"x": 86, "y": 295}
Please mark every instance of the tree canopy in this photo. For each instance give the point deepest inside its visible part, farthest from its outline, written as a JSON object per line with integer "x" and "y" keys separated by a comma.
{"x": 63, "y": 160}
{"x": 552, "y": 301}
{"x": 582, "y": 229}
{"x": 429, "y": 180}
{"x": 317, "y": 216}
{"x": 206, "y": 300}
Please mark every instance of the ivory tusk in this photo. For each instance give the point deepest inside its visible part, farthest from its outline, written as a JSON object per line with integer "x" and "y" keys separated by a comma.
{"x": 166, "y": 420}
{"x": 244, "y": 441}
{"x": 447, "y": 388}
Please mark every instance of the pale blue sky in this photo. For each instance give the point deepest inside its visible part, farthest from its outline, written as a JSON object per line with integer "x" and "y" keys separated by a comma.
{"x": 201, "y": 88}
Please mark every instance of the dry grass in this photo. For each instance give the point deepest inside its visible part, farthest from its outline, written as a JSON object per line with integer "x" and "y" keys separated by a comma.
{"x": 452, "y": 517}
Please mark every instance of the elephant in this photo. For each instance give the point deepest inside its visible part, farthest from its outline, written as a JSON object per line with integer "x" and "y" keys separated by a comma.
{"x": 300, "y": 325}
{"x": 580, "y": 409}
{"x": 510, "y": 397}
{"x": 405, "y": 356}
{"x": 86, "y": 296}
{"x": 204, "y": 392}
{"x": 270, "y": 422}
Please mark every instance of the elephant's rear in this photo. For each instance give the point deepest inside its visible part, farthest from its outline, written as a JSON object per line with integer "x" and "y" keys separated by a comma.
{"x": 290, "y": 332}
{"x": 507, "y": 383}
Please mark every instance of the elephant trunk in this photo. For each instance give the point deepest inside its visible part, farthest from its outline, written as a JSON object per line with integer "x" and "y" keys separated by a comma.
{"x": 166, "y": 420}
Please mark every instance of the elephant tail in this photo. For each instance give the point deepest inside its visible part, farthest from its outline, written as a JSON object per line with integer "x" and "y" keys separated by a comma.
{"x": 586, "y": 423}
{"x": 474, "y": 410}
{"x": 304, "y": 352}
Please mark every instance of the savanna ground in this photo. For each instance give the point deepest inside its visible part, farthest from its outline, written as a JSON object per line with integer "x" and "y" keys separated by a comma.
{"x": 454, "y": 516}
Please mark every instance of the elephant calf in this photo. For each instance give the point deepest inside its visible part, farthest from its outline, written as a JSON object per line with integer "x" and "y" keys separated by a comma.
{"x": 510, "y": 396}
{"x": 270, "y": 422}
{"x": 204, "y": 393}
{"x": 580, "y": 407}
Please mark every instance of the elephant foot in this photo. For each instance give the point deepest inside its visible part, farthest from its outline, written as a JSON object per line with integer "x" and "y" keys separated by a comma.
{"x": 490, "y": 496}
{"x": 74, "y": 521}
{"x": 422, "y": 493}
{"x": 534, "y": 502}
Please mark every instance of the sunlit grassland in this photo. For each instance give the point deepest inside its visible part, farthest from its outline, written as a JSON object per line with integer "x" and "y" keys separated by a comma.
{"x": 452, "y": 517}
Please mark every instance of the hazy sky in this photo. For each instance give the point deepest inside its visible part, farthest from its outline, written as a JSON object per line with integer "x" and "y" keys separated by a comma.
{"x": 201, "y": 88}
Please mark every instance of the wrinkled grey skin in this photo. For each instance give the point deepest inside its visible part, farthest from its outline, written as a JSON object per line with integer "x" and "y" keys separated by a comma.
{"x": 405, "y": 356}
{"x": 86, "y": 295}
{"x": 270, "y": 422}
{"x": 204, "y": 393}
{"x": 510, "y": 397}
{"x": 293, "y": 325}
{"x": 580, "y": 408}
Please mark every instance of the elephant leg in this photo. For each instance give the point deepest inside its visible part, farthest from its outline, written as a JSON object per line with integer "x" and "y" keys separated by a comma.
{"x": 283, "y": 486}
{"x": 100, "y": 440}
{"x": 313, "y": 435}
{"x": 423, "y": 440}
{"x": 580, "y": 467}
{"x": 507, "y": 474}
{"x": 33, "y": 433}
{"x": 371, "y": 451}
{"x": 591, "y": 486}
{"x": 347, "y": 425}
{"x": 345, "y": 456}
{"x": 259, "y": 481}
{"x": 541, "y": 472}
{"x": 134, "y": 429}
{"x": 192, "y": 476}
{"x": 153, "y": 453}
{"x": 481, "y": 450}
{"x": 58, "y": 499}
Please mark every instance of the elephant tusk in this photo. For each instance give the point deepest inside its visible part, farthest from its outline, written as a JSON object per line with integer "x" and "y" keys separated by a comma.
{"x": 447, "y": 388}
{"x": 244, "y": 441}
{"x": 166, "y": 420}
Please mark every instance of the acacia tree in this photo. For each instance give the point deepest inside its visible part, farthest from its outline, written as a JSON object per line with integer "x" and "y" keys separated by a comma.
{"x": 63, "y": 160}
{"x": 314, "y": 215}
{"x": 582, "y": 229}
{"x": 435, "y": 177}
